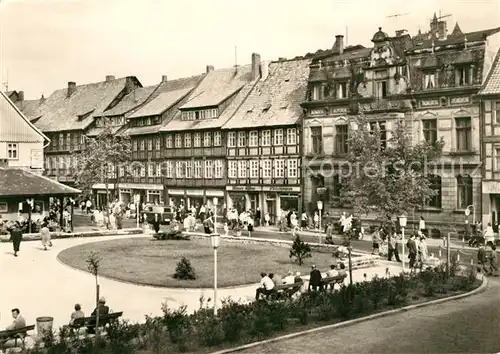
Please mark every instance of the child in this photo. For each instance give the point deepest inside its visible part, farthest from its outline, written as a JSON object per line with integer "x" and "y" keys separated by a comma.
{"x": 226, "y": 229}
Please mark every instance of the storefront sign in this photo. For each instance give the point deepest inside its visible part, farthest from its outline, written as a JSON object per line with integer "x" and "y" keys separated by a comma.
{"x": 265, "y": 188}
{"x": 213, "y": 193}
{"x": 282, "y": 189}
{"x": 36, "y": 158}
{"x": 176, "y": 191}
{"x": 244, "y": 188}
{"x": 195, "y": 192}
{"x": 158, "y": 187}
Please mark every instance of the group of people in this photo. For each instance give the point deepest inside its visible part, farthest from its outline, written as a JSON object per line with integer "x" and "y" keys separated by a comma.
{"x": 269, "y": 282}
{"x": 487, "y": 259}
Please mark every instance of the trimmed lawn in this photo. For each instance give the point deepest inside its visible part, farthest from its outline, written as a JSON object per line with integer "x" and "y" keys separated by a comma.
{"x": 150, "y": 262}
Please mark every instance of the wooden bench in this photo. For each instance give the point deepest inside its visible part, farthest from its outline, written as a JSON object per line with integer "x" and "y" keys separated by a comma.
{"x": 90, "y": 322}
{"x": 332, "y": 281}
{"x": 285, "y": 290}
{"x": 15, "y": 335}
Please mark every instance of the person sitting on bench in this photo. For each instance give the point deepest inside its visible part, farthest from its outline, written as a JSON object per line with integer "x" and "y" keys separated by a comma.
{"x": 266, "y": 286}
{"x": 103, "y": 310}
{"x": 19, "y": 321}
{"x": 78, "y": 313}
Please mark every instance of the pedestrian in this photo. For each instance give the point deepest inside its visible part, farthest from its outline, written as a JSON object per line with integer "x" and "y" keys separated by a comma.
{"x": 392, "y": 248}
{"x": 421, "y": 225}
{"x": 376, "y": 241}
{"x": 412, "y": 250}
{"x": 16, "y": 235}
{"x": 45, "y": 235}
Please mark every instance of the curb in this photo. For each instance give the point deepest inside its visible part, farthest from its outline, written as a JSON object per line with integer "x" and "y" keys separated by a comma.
{"x": 62, "y": 235}
{"x": 478, "y": 290}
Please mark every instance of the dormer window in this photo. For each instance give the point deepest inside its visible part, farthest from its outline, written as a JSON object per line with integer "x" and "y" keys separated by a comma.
{"x": 463, "y": 75}
{"x": 429, "y": 81}
{"x": 200, "y": 114}
{"x": 141, "y": 122}
{"x": 148, "y": 121}
{"x": 317, "y": 92}
{"x": 342, "y": 90}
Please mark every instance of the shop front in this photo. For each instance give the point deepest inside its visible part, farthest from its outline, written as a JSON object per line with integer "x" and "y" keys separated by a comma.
{"x": 196, "y": 198}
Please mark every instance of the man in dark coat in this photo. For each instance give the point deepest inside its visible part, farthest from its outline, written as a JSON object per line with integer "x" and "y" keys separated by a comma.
{"x": 315, "y": 279}
{"x": 412, "y": 250}
{"x": 103, "y": 310}
{"x": 16, "y": 235}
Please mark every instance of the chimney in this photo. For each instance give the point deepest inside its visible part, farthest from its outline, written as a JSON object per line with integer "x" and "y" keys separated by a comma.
{"x": 110, "y": 77}
{"x": 71, "y": 88}
{"x": 42, "y": 99}
{"x": 164, "y": 78}
{"x": 256, "y": 70}
{"x": 210, "y": 68}
{"x": 281, "y": 59}
{"x": 338, "y": 46}
{"x": 401, "y": 32}
{"x": 442, "y": 30}
{"x": 129, "y": 84}
{"x": 20, "y": 95}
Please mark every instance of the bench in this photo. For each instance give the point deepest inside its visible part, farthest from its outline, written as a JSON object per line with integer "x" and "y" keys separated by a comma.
{"x": 332, "y": 281}
{"x": 90, "y": 322}
{"x": 285, "y": 290}
{"x": 14, "y": 334}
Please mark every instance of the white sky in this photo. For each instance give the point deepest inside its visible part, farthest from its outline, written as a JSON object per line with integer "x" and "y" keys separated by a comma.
{"x": 46, "y": 43}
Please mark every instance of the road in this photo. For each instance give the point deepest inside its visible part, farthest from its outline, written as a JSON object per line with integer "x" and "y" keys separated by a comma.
{"x": 470, "y": 325}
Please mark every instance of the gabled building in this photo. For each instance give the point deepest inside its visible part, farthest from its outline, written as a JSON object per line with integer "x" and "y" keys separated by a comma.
{"x": 29, "y": 108}
{"x": 195, "y": 146}
{"x": 489, "y": 98}
{"x": 67, "y": 114}
{"x": 429, "y": 81}
{"x": 264, "y": 144}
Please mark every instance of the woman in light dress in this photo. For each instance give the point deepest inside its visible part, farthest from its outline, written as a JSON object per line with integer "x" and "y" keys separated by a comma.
{"x": 45, "y": 235}
{"x": 422, "y": 248}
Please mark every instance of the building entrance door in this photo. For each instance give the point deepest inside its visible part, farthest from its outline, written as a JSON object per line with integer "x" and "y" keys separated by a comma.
{"x": 254, "y": 201}
{"x": 271, "y": 210}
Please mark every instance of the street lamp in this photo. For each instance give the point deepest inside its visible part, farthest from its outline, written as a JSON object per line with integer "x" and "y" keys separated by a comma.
{"x": 320, "y": 207}
{"x": 215, "y": 201}
{"x": 137, "y": 200}
{"x": 402, "y": 222}
{"x": 215, "y": 238}
{"x": 467, "y": 213}
{"x": 349, "y": 249}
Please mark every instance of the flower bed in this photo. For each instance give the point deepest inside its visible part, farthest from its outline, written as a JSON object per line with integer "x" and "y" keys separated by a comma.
{"x": 235, "y": 324}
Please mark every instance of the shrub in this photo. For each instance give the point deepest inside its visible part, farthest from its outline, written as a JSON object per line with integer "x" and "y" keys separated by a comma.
{"x": 184, "y": 270}
{"x": 171, "y": 234}
{"x": 234, "y": 318}
{"x": 177, "y": 322}
{"x": 300, "y": 250}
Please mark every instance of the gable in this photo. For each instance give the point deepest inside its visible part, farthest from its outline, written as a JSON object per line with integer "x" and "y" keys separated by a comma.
{"x": 14, "y": 127}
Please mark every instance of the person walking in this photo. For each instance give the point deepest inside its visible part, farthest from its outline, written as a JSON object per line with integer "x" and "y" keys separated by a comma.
{"x": 45, "y": 235}
{"x": 393, "y": 248}
{"x": 16, "y": 235}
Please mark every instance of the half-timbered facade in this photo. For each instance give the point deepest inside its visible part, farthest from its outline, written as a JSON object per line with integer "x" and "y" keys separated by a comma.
{"x": 195, "y": 146}
{"x": 263, "y": 142}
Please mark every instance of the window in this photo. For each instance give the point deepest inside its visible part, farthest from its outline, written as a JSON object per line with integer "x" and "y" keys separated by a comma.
{"x": 231, "y": 139}
{"x": 291, "y": 136}
{"x": 197, "y": 140}
{"x": 242, "y": 169}
{"x": 151, "y": 171}
{"x": 497, "y": 112}
{"x": 189, "y": 169}
{"x": 464, "y": 191}
{"x": 253, "y": 138}
{"x": 179, "y": 169}
{"x": 207, "y": 139}
{"x": 266, "y": 169}
{"x": 317, "y": 92}
{"x": 157, "y": 144}
{"x": 219, "y": 169}
{"x": 61, "y": 140}
{"x": 121, "y": 171}
{"x": 292, "y": 168}
{"x": 136, "y": 172}
{"x": 242, "y": 139}
{"x": 197, "y": 169}
{"x": 178, "y": 140}
{"x": 143, "y": 145}
{"x": 158, "y": 170}
{"x": 189, "y": 115}
{"x": 134, "y": 145}
{"x": 342, "y": 90}
{"x": 464, "y": 132}
{"x": 429, "y": 128}
{"x": 217, "y": 138}
{"x": 341, "y": 144}
{"x": 278, "y": 137}
{"x": 383, "y": 133}
{"x": 429, "y": 81}
{"x": 168, "y": 141}
{"x": 209, "y": 169}
{"x": 187, "y": 140}
{"x": 337, "y": 187}
{"x": 317, "y": 140}
{"x": 143, "y": 171}
{"x": 12, "y": 152}
{"x": 381, "y": 89}
{"x": 434, "y": 184}
{"x": 233, "y": 168}
{"x": 497, "y": 159}
{"x": 463, "y": 76}
{"x": 279, "y": 168}
{"x": 266, "y": 138}
{"x": 68, "y": 141}
{"x": 254, "y": 169}
{"x": 150, "y": 144}
{"x": 169, "y": 171}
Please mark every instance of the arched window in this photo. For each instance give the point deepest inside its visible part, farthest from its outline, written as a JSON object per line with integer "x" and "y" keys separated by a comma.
{"x": 464, "y": 191}
{"x": 434, "y": 184}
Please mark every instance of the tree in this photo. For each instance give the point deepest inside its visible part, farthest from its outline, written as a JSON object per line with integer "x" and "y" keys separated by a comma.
{"x": 300, "y": 250}
{"x": 184, "y": 270}
{"x": 388, "y": 177}
{"x": 99, "y": 159}
{"x": 93, "y": 264}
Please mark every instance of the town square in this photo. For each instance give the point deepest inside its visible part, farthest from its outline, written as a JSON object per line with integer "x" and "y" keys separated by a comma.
{"x": 218, "y": 177}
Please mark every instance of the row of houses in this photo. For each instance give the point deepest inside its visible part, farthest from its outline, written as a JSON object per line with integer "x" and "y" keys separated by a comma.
{"x": 273, "y": 135}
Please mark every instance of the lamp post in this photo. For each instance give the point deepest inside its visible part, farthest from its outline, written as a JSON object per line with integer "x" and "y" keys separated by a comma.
{"x": 215, "y": 201}
{"x": 467, "y": 213}
{"x": 137, "y": 200}
{"x": 320, "y": 207}
{"x": 349, "y": 249}
{"x": 402, "y": 222}
{"x": 215, "y": 238}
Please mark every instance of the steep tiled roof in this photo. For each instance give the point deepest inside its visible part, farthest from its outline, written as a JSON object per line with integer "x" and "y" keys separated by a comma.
{"x": 60, "y": 112}
{"x": 218, "y": 85}
{"x": 131, "y": 101}
{"x": 167, "y": 95}
{"x": 29, "y": 108}
{"x": 477, "y": 36}
{"x": 18, "y": 182}
{"x": 14, "y": 126}
{"x": 491, "y": 85}
{"x": 215, "y": 85}
{"x": 95, "y": 131}
{"x": 351, "y": 52}
{"x": 149, "y": 129}
{"x": 275, "y": 100}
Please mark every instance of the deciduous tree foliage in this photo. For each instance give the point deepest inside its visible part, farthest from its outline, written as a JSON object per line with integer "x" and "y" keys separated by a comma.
{"x": 99, "y": 158}
{"x": 392, "y": 178}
